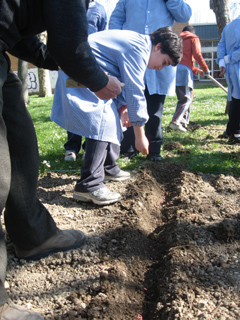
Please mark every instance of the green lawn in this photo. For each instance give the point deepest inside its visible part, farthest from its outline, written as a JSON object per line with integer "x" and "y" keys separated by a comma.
{"x": 208, "y": 153}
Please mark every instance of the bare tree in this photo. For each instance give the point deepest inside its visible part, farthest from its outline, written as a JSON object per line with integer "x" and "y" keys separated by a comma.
{"x": 222, "y": 13}
{"x": 45, "y": 89}
{"x": 23, "y": 76}
{"x": 221, "y": 9}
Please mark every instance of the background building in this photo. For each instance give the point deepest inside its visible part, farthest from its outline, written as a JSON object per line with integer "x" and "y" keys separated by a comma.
{"x": 209, "y": 37}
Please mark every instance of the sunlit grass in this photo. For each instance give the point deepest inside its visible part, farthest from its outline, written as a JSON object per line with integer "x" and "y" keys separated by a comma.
{"x": 208, "y": 153}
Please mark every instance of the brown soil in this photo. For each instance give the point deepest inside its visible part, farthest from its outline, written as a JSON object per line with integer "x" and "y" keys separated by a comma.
{"x": 169, "y": 250}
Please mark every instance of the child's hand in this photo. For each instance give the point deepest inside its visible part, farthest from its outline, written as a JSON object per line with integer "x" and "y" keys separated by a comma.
{"x": 200, "y": 71}
{"x": 141, "y": 141}
{"x": 124, "y": 119}
{"x": 222, "y": 71}
{"x": 142, "y": 145}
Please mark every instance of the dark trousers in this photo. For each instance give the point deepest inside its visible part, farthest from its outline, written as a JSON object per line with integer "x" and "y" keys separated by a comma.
{"x": 153, "y": 128}
{"x": 233, "y": 126}
{"x": 100, "y": 159}
{"x": 27, "y": 221}
{"x": 74, "y": 142}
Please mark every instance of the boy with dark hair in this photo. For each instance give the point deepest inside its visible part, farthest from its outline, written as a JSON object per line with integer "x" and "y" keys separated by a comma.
{"x": 126, "y": 55}
{"x": 184, "y": 77}
{"x": 146, "y": 16}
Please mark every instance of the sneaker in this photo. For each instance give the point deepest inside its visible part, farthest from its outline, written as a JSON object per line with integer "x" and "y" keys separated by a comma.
{"x": 184, "y": 124}
{"x": 120, "y": 176}
{"x": 234, "y": 139}
{"x": 62, "y": 240}
{"x": 130, "y": 155}
{"x": 177, "y": 127}
{"x": 70, "y": 156}
{"x": 100, "y": 196}
{"x": 154, "y": 157}
{"x": 12, "y": 311}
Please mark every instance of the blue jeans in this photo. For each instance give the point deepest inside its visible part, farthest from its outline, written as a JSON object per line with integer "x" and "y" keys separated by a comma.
{"x": 28, "y": 222}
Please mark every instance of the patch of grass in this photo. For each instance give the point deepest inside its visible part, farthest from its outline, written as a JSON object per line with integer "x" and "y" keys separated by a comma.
{"x": 207, "y": 152}
{"x": 51, "y": 138}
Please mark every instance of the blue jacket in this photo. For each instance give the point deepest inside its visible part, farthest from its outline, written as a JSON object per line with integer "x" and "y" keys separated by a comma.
{"x": 97, "y": 17}
{"x": 229, "y": 47}
{"x": 123, "y": 54}
{"x": 146, "y": 16}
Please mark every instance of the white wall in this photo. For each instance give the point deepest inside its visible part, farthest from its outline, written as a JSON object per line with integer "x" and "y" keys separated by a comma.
{"x": 33, "y": 83}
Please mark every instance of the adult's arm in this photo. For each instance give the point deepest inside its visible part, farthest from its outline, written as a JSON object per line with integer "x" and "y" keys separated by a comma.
{"x": 180, "y": 10}
{"x": 34, "y": 51}
{"x": 67, "y": 28}
{"x": 118, "y": 16}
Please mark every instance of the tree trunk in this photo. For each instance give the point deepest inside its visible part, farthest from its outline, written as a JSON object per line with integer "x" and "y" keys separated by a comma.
{"x": 23, "y": 76}
{"x": 222, "y": 13}
{"x": 45, "y": 89}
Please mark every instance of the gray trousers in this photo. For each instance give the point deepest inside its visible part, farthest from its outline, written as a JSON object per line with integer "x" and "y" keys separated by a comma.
{"x": 27, "y": 221}
{"x": 185, "y": 96}
{"x": 100, "y": 159}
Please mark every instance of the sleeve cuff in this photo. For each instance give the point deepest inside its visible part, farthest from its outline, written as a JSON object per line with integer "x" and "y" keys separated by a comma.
{"x": 222, "y": 63}
{"x": 122, "y": 109}
{"x": 226, "y": 59}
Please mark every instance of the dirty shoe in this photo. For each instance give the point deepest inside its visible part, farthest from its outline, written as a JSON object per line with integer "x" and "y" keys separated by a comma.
{"x": 101, "y": 196}
{"x": 11, "y": 311}
{"x": 70, "y": 156}
{"x": 177, "y": 127}
{"x": 120, "y": 176}
{"x": 62, "y": 240}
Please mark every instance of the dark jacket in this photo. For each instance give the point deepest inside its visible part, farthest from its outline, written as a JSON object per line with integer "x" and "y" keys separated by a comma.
{"x": 67, "y": 27}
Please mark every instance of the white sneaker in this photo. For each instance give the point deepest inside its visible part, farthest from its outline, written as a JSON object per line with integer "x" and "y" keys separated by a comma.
{"x": 177, "y": 127}
{"x": 12, "y": 311}
{"x": 100, "y": 196}
{"x": 70, "y": 156}
{"x": 120, "y": 176}
{"x": 184, "y": 123}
